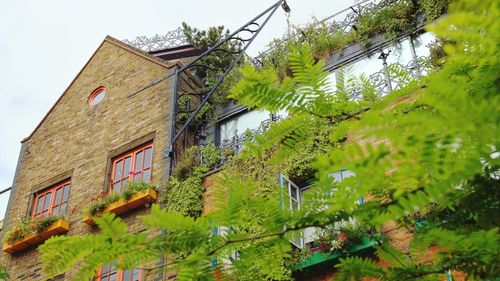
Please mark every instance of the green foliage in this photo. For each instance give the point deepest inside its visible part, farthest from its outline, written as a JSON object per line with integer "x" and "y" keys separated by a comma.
{"x": 433, "y": 9}
{"x": 29, "y": 226}
{"x": 3, "y": 272}
{"x": 218, "y": 62}
{"x": 100, "y": 202}
{"x": 341, "y": 235}
{"x": 431, "y": 147}
{"x": 184, "y": 191}
{"x": 391, "y": 18}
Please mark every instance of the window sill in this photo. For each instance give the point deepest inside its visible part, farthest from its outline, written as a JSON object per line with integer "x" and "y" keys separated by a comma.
{"x": 122, "y": 206}
{"x": 59, "y": 227}
{"x": 318, "y": 258}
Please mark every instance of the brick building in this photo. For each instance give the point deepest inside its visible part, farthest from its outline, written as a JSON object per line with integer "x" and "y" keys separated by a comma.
{"x": 102, "y": 133}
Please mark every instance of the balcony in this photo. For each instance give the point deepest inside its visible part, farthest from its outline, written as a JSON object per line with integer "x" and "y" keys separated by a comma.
{"x": 322, "y": 257}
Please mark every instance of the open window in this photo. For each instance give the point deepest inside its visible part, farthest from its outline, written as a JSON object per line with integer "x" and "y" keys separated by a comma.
{"x": 292, "y": 198}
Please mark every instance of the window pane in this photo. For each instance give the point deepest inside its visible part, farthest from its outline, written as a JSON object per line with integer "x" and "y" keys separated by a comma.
{"x": 116, "y": 187}
{"x": 57, "y": 200}
{"x": 138, "y": 161}
{"x": 347, "y": 174}
{"x": 240, "y": 124}
{"x": 337, "y": 176}
{"x": 135, "y": 277}
{"x": 63, "y": 209}
{"x": 98, "y": 98}
{"x": 46, "y": 204}
{"x": 293, "y": 192}
{"x": 124, "y": 184}
{"x": 66, "y": 192}
{"x": 39, "y": 204}
{"x": 126, "y": 168}
{"x": 366, "y": 66}
{"x": 112, "y": 277}
{"x": 55, "y": 211}
{"x": 137, "y": 177}
{"x": 118, "y": 170}
{"x": 146, "y": 176}
{"x": 422, "y": 44}
{"x": 105, "y": 269}
{"x": 399, "y": 53}
{"x": 147, "y": 158}
{"x": 126, "y": 275}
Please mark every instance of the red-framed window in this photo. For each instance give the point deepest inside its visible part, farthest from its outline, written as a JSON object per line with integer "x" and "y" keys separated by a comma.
{"x": 108, "y": 272}
{"x": 134, "y": 165}
{"x": 52, "y": 201}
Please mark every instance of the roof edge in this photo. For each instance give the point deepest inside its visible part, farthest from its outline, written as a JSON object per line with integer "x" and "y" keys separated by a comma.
{"x": 116, "y": 43}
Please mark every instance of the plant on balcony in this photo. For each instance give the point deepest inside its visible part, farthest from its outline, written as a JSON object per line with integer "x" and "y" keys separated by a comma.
{"x": 100, "y": 202}
{"x": 29, "y": 226}
{"x": 340, "y": 236}
{"x": 390, "y": 18}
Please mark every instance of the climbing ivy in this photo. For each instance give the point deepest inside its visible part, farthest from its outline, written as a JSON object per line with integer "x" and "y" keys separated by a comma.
{"x": 183, "y": 193}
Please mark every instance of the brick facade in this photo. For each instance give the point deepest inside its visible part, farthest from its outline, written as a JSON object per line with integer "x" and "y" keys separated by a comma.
{"x": 78, "y": 142}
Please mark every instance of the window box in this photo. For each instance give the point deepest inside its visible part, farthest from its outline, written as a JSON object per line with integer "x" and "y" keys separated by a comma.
{"x": 121, "y": 206}
{"x": 60, "y": 226}
{"x": 318, "y": 258}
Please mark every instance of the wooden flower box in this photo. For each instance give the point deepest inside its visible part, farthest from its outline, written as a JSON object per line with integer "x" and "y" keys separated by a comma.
{"x": 58, "y": 227}
{"x": 121, "y": 206}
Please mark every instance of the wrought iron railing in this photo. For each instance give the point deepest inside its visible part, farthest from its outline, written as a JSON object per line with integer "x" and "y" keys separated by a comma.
{"x": 389, "y": 78}
{"x": 395, "y": 76}
{"x": 343, "y": 20}
{"x": 172, "y": 39}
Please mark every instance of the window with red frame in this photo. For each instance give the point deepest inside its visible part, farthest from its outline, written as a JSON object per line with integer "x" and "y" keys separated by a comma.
{"x": 134, "y": 165}
{"x": 108, "y": 272}
{"x": 52, "y": 201}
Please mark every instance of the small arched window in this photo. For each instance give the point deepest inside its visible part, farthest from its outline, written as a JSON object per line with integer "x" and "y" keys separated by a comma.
{"x": 97, "y": 96}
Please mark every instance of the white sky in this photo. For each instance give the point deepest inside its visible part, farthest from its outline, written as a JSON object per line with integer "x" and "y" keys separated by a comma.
{"x": 44, "y": 44}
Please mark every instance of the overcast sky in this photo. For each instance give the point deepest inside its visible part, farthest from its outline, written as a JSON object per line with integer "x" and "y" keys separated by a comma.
{"x": 44, "y": 44}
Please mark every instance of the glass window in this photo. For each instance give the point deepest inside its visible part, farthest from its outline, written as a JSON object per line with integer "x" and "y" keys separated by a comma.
{"x": 238, "y": 125}
{"x": 422, "y": 42}
{"x": 400, "y": 53}
{"x": 108, "y": 272}
{"x": 97, "y": 96}
{"x": 52, "y": 201}
{"x": 134, "y": 165}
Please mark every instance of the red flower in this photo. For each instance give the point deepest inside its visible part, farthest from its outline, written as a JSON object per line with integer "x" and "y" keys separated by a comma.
{"x": 342, "y": 237}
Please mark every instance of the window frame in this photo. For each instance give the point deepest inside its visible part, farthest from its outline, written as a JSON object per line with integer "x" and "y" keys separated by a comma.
{"x": 99, "y": 90}
{"x": 119, "y": 276}
{"x": 132, "y": 153}
{"x": 53, "y": 190}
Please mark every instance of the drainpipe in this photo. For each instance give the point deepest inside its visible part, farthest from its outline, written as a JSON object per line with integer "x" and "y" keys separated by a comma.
{"x": 383, "y": 56}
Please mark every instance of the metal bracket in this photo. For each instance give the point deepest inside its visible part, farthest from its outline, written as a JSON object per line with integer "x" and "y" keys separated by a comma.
{"x": 188, "y": 103}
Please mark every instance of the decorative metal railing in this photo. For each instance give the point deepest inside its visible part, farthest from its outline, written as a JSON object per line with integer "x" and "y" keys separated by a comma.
{"x": 171, "y": 39}
{"x": 236, "y": 142}
{"x": 395, "y": 76}
{"x": 390, "y": 78}
{"x": 343, "y": 20}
